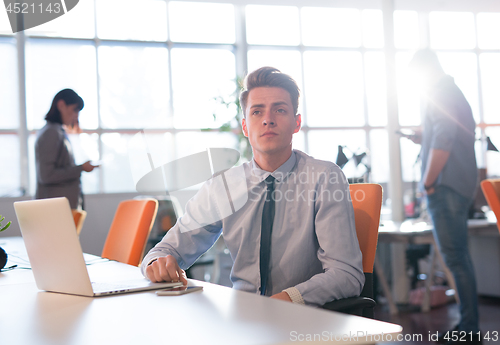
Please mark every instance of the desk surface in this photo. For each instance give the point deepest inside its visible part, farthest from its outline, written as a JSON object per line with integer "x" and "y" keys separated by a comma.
{"x": 416, "y": 227}
{"x": 217, "y": 315}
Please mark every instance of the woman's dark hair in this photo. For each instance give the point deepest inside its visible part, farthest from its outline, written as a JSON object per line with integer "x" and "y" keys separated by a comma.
{"x": 69, "y": 97}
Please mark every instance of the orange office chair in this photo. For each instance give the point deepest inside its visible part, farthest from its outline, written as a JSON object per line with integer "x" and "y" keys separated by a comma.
{"x": 491, "y": 190}
{"x": 129, "y": 231}
{"x": 79, "y": 217}
{"x": 367, "y": 203}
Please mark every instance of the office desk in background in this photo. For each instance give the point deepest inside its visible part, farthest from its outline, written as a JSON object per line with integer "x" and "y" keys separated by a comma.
{"x": 482, "y": 233}
{"x": 218, "y": 315}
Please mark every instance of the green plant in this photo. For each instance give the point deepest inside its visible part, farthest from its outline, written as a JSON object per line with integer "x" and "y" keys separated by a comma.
{"x": 232, "y": 102}
{"x": 2, "y": 228}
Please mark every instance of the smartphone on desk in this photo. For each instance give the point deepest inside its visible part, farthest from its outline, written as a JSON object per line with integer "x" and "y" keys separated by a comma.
{"x": 181, "y": 290}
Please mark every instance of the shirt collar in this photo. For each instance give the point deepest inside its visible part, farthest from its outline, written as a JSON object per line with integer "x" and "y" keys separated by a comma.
{"x": 279, "y": 174}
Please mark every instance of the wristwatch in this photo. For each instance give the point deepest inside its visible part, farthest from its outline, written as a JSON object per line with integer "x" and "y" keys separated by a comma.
{"x": 427, "y": 188}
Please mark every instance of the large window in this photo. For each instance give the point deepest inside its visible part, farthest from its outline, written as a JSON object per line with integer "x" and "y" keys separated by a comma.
{"x": 159, "y": 66}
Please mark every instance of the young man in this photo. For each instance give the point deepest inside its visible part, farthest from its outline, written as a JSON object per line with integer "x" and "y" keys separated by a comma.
{"x": 449, "y": 178}
{"x": 294, "y": 238}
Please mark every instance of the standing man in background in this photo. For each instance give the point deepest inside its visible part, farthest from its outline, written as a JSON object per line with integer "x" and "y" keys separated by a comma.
{"x": 449, "y": 178}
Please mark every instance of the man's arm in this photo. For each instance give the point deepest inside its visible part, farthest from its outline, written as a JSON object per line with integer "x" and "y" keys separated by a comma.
{"x": 435, "y": 163}
{"x": 338, "y": 250}
{"x": 187, "y": 240}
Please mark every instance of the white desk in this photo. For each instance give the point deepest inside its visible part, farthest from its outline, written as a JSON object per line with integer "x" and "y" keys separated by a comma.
{"x": 217, "y": 315}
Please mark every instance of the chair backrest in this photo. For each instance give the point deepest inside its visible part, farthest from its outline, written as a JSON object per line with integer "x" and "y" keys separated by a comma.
{"x": 491, "y": 190}
{"x": 367, "y": 203}
{"x": 79, "y": 217}
{"x": 129, "y": 231}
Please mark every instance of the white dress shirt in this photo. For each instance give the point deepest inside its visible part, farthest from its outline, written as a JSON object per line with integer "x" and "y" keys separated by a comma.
{"x": 314, "y": 247}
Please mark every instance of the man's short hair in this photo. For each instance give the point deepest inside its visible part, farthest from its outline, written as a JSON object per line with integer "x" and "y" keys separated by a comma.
{"x": 425, "y": 59}
{"x": 270, "y": 77}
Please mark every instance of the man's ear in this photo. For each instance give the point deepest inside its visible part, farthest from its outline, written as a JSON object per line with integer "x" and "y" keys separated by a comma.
{"x": 298, "y": 123}
{"x": 244, "y": 127}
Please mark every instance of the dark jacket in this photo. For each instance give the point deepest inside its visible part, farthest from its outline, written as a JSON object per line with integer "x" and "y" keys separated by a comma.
{"x": 56, "y": 172}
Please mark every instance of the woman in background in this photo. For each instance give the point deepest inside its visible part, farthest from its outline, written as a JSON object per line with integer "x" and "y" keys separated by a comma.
{"x": 57, "y": 174}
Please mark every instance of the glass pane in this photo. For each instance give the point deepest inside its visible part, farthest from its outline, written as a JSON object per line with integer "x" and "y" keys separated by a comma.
{"x": 278, "y": 25}
{"x": 324, "y": 145}
{"x": 493, "y": 157}
{"x": 132, "y": 19}
{"x": 85, "y": 148}
{"x": 406, "y": 32}
{"x": 286, "y": 61}
{"x": 160, "y": 146}
{"x": 379, "y": 156}
{"x": 10, "y": 180}
{"x": 5, "y": 28}
{"x": 198, "y": 76}
{"x": 331, "y": 27}
{"x": 31, "y": 162}
{"x": 298, "y": 141}
{"x": 9, "y": 116}
{"x": 376, "y": 89}
{"x": 334, "y": 89}
{"x": 188, "y": 143}
{"x": 488, "y": 27}
{"x": 463, "y": 67}
{"x": 409, "y": 153}
{"x": 373, "y": 28}
{"x": 490, "y": 79}
{"x": 117, "y": 172}
{"x": 134, "y": 87}
{"x": 201, "y": 22}
{"x": 78, "y": 22}
{"x": 55, "y": 65}
{"x": 451, "y": 30}
{"x": 408, "y": 92}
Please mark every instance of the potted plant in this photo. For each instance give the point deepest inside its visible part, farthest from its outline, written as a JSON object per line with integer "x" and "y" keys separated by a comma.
{"x": 3, "y": 254}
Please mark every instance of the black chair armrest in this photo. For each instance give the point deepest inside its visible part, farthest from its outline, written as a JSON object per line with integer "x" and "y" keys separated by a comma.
{"x": 351, "y": 305}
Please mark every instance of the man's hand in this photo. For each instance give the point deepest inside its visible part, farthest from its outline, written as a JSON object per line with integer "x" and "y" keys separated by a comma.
{"x": 430, "y": 191}
{"x": 282, "y": 296}
{"x": 165, "y": 269}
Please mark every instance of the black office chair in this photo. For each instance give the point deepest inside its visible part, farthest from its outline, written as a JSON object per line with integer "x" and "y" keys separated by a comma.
{"x": 367, "y": 217}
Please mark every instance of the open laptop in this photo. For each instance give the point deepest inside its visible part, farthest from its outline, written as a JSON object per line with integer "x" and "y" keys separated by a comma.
{"x": 55, "y": 253}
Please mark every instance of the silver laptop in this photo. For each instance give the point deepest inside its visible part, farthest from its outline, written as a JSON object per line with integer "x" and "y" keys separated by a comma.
{"x": 55, "y": 253}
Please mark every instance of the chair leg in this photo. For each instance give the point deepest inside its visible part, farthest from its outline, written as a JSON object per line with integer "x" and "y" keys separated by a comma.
{"x": 426, "y": 303}
{"x": 393, "y": 310}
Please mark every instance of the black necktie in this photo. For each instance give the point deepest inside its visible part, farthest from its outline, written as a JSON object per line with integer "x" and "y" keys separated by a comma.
{"x": 265, "y": 235}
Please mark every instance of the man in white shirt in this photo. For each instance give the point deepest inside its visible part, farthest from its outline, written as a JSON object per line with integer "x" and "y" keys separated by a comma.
{"x": 305, "y": 248}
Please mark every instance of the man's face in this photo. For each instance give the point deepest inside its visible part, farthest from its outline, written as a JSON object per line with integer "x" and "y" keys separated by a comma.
{"x": 270, "y": 121}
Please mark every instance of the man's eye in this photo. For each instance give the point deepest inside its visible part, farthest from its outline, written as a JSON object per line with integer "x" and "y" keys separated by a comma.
{"x": 256, "y": 112}
{"x": 281, "y": 110}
